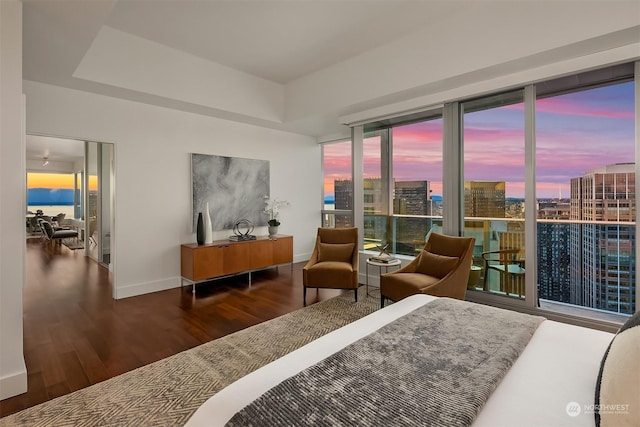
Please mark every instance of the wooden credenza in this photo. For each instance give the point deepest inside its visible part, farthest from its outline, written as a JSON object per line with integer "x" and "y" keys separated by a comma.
{"x": 221, "y": 258}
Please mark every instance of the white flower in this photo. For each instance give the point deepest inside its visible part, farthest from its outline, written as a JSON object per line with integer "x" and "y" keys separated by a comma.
{"x": 272, "y": 209}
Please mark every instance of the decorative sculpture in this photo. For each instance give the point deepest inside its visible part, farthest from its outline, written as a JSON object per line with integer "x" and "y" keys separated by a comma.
{"x": 239, "y": 234}
{"x": 208, "y": 231}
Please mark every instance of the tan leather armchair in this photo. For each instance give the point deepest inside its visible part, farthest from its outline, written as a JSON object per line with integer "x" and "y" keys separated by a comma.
{"x": 334, "y": 261}
{"x": 441, "y": 269}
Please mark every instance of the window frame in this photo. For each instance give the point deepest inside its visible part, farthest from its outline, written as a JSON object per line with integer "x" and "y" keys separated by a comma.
{"x": 453, "y": 180}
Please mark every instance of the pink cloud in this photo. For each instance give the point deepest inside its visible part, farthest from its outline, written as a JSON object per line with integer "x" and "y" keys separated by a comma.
{"x": 493, "y": 135}
{"x": 559, "y": 105}
{"x": 417, "y": 136}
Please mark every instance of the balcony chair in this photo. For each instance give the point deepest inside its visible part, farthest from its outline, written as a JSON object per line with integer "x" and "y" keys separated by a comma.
{"x": 509, "y": 263}
{"x": 57, "y": 221}
{"x": 334, "y": 261}
{"x": 441, "y": 269}
{"x": 54, "y": 235}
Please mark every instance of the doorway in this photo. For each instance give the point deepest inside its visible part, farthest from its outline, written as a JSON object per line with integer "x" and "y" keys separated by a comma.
{"x": 89, "y": 200}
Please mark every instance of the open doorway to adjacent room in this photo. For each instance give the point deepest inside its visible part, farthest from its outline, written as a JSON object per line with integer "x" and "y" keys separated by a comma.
{"x": 70, "y": 183}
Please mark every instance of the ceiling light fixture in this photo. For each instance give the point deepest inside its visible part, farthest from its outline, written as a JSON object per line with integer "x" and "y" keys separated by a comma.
{"x": 45, "y": 161}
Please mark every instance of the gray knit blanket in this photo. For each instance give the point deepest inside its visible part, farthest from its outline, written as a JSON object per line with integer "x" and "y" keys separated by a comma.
{"x": 435, "y": 366}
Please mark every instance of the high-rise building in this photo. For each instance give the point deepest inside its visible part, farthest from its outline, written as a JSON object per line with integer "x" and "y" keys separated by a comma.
{"x": 375, "y": 213}
{"x": 343, "y": 194}
{"x": 412, "y": 198}
{"x": 343, "y": 200}
{"x": 602, "y": 240}
{"x": 553, "y": 251}
{"x": 484, "y": 199}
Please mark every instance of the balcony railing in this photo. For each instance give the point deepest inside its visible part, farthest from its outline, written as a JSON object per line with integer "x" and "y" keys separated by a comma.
{"x": 569, "y": 253}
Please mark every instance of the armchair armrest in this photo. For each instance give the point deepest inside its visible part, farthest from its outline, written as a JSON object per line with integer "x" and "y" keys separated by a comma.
{"x": 409, "y": 268}
{"x": 313, "y": 259}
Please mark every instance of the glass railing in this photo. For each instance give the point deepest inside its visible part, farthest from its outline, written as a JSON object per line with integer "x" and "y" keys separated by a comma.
{"x": 498, "y": 256}
{"x": 405, "y": 234}
{"x": 337, "y": 218}
{"x": 586, "y": 264}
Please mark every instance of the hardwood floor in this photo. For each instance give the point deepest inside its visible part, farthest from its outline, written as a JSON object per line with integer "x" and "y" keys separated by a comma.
{"x": 76, "y": 335}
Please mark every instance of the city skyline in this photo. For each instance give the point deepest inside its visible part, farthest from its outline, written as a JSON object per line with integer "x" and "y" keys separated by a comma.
{"x": 587, "y": 261}
{"x": 575, "y": 133}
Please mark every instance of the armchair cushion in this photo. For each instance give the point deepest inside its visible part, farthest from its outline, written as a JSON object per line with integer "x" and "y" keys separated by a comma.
{"x": 341, "y": 252}
{"x": 435, "y": 265}
{"x": 399, "y": 286}
{"x": 331, "y": 274}
{"x": 441, "y": 269}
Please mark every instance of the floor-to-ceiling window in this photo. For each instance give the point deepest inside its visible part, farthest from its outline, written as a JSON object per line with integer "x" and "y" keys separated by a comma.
{"x": 51, "y": 193}
{"x": 554, "y": 161}
{"x": 417, "y": 183}
{"x": 585, "y": 185}
{"x": 494, "y": 184}
{"x": 337, "y": 186}
{"x": 376, "y": 188}
{"x": 402, "y": 182}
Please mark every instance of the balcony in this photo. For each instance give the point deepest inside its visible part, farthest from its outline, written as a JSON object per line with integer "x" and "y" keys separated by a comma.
{"x": 566, "y": 271}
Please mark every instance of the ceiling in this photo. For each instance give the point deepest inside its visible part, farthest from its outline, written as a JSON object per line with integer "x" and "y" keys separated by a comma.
{"x": 273, "y": 42}
{"x": 286, "y": 64}
{"x": 280, "y": 41}
{"x": 54, "y": 149}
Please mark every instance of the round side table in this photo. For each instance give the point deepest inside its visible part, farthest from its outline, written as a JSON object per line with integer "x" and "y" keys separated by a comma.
{"x": 392, "y": 263}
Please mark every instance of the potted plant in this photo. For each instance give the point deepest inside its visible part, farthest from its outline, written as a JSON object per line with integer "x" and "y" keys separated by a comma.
{"x": 272, "y": 209}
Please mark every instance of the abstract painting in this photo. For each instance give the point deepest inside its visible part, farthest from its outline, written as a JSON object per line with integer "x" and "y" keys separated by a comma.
{"x": 234, "y": 188}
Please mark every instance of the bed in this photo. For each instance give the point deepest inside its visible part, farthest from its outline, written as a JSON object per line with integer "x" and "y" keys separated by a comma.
{"x": 550, "y": 382}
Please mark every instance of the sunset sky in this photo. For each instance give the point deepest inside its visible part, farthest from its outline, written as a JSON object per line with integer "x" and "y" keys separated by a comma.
{"x": 56, "y": 181}
{"x": 574, "y": 133}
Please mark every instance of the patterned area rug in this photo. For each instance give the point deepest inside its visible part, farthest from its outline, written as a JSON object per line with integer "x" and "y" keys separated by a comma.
{"x": 168, "y": 392}
{"x": 73, "y": 244}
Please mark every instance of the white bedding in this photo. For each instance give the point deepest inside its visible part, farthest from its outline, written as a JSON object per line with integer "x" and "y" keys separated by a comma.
{"x": 559, "y": 366}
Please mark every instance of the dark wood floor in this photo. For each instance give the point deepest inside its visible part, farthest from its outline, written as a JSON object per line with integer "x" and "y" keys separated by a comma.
{"x": 76, "y": 335}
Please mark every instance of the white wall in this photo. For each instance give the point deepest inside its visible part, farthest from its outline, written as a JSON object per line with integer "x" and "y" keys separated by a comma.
{"x": 153, "y": 175}
{"x": 13, "y": 373}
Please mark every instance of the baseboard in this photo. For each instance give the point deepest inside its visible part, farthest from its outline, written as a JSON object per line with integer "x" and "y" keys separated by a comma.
{"x": 13, "y": 385}
{"x": 146, "y": 287}
{"x": 301, "y": 258}
{"x": 170, "y": 283}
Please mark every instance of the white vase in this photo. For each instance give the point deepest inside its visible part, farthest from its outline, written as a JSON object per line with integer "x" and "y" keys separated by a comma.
{"x": 273, "y": 230}
{"x": 208, "y": 231}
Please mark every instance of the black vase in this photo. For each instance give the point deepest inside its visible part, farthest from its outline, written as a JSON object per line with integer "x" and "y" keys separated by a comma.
{"x": 200, "y": 230}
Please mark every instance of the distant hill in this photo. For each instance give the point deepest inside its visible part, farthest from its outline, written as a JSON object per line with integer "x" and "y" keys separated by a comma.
{"x": 50, "y": 197}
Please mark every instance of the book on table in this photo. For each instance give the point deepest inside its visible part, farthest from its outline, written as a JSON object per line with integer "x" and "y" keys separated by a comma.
{"x": 382, "y": 258}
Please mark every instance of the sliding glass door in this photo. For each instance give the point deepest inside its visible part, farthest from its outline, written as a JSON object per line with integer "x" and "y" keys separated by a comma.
{"x": 494, "y": 190}
{"x": 99, "y": 179}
